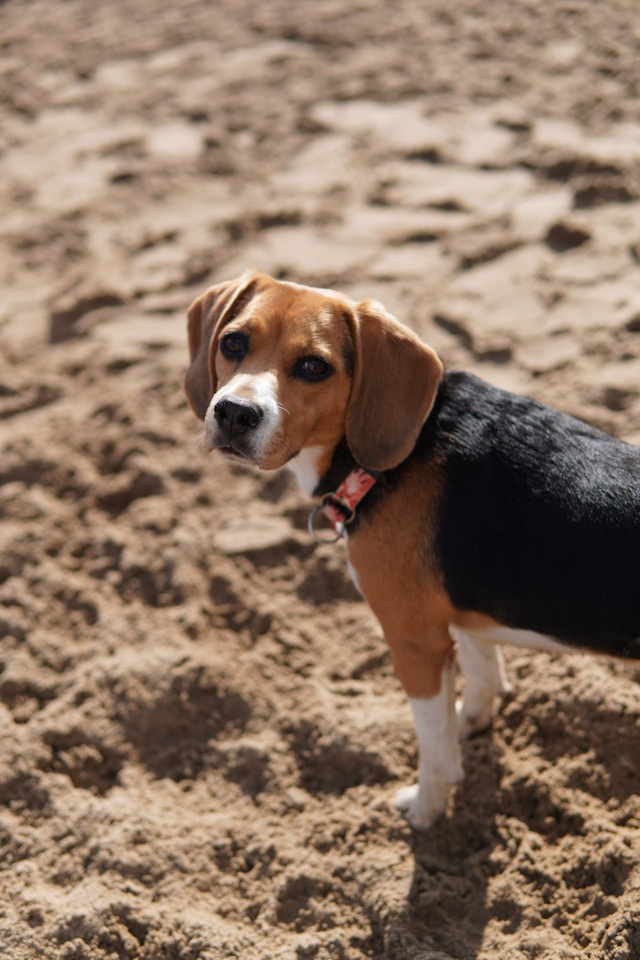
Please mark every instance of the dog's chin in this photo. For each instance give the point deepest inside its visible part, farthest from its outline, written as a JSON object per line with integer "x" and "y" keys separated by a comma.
{"x": 233, "y": 452}
{"x": 243, "y": 457}
{"x": 234, "y": 456}
{"x": 237, "y": 452}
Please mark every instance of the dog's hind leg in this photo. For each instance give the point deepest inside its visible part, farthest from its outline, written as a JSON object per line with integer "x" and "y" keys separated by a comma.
{"x": 485, "y": 680}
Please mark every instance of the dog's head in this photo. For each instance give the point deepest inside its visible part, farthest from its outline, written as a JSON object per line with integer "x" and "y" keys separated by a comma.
{"x": 277, "y": 368}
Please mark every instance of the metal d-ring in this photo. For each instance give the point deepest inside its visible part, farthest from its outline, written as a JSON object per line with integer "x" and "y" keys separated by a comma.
{"x": 338, "y": 531}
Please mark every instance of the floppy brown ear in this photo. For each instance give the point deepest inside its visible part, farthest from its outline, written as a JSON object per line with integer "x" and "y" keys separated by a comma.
{"x": 206, "y": 316}
{"x": 395, "y": 381}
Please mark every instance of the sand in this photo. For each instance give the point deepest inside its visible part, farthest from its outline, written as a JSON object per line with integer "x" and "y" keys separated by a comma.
{"x": 201, "y": 729}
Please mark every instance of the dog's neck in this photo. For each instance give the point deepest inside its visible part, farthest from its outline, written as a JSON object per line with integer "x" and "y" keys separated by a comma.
{"x": 309, "y": 475}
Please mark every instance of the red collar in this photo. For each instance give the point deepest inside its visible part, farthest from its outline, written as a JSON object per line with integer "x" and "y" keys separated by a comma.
{"x": 340, "y": 507}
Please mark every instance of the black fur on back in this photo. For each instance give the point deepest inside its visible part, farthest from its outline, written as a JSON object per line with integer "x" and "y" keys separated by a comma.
{"x": 539, "y": 521}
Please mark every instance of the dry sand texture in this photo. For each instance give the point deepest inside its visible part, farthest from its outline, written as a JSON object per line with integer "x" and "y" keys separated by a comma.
{"x": 201, "y": 731}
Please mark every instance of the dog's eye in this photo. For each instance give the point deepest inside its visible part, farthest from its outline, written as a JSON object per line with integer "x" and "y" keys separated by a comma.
{"x": 312, "y": 369}
{"x": 234, "y": 346}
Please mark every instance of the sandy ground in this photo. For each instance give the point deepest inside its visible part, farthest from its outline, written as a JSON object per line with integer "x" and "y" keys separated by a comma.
{"x": 201, "y": 730}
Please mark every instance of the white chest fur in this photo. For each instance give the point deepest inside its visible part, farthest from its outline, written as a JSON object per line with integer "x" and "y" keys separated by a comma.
{"x": 305, "y": 468}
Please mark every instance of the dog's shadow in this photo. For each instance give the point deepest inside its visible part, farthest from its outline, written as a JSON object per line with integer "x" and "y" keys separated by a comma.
{"x": 449, "y": 903}
{"x": 445, "y": 913}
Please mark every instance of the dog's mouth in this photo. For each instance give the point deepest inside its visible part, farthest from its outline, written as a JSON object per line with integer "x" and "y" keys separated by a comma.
{"x": 246, "y": 448}
{"x": 231, "y": 446}
{"x": 243, "y": 454}
{"x": 233, "y": 451}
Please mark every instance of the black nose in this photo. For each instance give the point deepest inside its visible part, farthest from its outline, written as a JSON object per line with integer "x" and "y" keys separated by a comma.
{"x": 237, "y": 416}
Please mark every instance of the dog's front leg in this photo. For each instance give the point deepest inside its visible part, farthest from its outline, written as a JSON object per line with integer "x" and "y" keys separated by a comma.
{"x": 414, "y": 616}
{"x": 439, "y": 764}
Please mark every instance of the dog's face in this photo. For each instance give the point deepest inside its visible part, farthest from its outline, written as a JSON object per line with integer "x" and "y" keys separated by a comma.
{"x": 278, "y": 368}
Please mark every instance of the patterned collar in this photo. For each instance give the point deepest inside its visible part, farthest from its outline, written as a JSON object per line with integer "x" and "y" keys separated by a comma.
{"x": 340, "y": 507}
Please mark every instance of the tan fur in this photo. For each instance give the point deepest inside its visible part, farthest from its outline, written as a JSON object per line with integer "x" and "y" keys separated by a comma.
{"x": 383, "y": 424}
{"x": 403, "y": 586}
{"x": 205, "y": 317}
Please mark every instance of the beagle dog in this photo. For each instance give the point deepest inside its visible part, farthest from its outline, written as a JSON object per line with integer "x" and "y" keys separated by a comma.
{"x": 472, "y": 517}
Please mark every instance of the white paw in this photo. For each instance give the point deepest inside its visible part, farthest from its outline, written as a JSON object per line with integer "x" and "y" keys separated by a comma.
{"x": 405, "y": 798}
{"x": 472, "y": 723}
{"x": 420, "y": 811}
